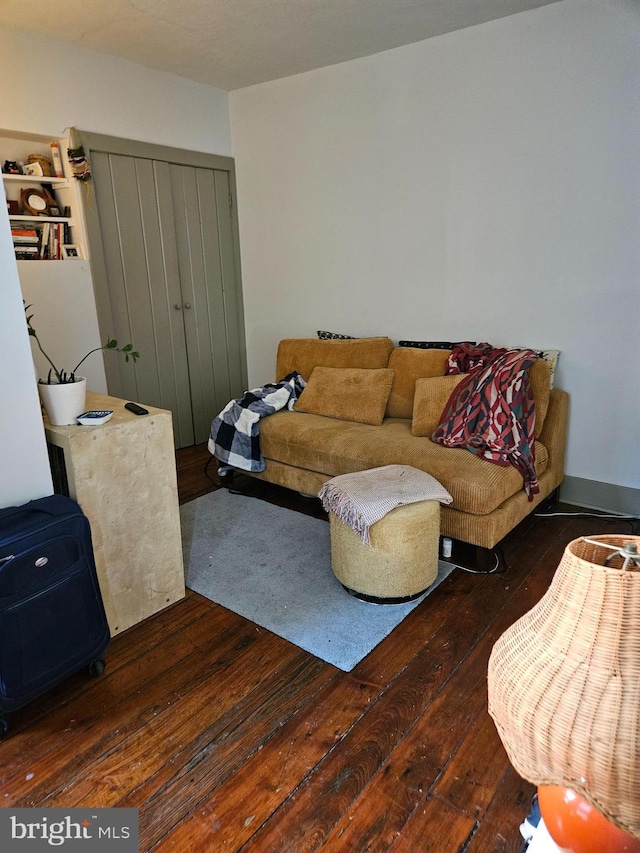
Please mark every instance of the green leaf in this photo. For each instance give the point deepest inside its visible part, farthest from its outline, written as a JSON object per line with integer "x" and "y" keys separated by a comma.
{"x": 62, "y": 376}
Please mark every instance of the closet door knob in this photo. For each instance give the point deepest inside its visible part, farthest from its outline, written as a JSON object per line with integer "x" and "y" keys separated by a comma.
{"x": 187, "y": 305}
{"x": 177, "y": 306}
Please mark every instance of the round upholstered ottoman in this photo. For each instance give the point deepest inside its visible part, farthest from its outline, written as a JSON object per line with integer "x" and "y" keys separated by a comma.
{"x": 402, "y": 560}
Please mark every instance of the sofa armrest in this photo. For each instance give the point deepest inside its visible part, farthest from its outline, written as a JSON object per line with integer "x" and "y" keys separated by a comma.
{"x": 554, "y": 432}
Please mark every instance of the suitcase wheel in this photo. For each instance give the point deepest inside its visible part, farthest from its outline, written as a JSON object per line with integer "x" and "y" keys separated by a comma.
{"x": 97, "y": 667}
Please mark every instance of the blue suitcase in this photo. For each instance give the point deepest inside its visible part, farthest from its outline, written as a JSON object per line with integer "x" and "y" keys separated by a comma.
{"x": 52, "y": 619}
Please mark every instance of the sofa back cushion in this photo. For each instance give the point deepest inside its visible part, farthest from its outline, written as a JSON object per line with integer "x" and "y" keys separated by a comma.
{"x": 431, "y": 396}
{"x": 303, "y": 354}
{"x": 348, "y": 393}
{"x": 408, "y": 365}
{"x": 540, "y": 378}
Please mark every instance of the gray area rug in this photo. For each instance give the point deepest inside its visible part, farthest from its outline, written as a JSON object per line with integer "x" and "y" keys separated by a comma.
{"x": 273, "y": 566}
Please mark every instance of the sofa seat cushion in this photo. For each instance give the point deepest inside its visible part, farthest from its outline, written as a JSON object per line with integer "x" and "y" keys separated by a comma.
{"x": 331, "y": 447}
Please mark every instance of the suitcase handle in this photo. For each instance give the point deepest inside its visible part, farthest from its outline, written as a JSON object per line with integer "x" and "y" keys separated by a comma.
{"x": 51, "y": 506}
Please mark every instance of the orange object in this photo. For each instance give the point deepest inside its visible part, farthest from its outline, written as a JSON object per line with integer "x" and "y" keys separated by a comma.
{"x": 576, "y": 826}
{"x": 564, "y": 680}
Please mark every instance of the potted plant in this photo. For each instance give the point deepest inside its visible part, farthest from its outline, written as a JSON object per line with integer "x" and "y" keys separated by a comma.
{"x": 63, "y": 392}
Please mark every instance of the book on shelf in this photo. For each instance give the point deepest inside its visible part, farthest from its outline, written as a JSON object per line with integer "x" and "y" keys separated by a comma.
{"x": 56, "y": 235}
{"x": 24, "y": 235}
{"x": 26, "y": 243}
{"x": 27, "y": 253}
{"x": 44, "y": 240}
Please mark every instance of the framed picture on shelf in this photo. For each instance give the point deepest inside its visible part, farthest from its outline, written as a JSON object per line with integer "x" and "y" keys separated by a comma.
{"x": 71, "y": 253}
{"x": 35, "y": 202}
{"x": 33, "y": 169}
{"x": 54, "y": 211}
{"x": 13, "y": 208}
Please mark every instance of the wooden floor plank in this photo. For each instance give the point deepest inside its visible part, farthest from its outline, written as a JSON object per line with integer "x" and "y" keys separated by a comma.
{"x": 428, "y": 746}
{"x": 245, "y": 800}
{"x": 220, "y": 749}
{"x": 510, "y": 805}
{"x": 435, "y": 827}
{"x": 328, "y": 792}
{"x": 228, "y": 738}
{"x": 146, "y": 635}
{"x": 78, "y": 710}
{"x": 187, "y": 723}
{"x": 128, "y": 700}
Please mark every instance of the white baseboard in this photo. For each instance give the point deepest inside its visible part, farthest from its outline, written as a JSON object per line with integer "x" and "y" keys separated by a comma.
{"x": 602, "y": 496}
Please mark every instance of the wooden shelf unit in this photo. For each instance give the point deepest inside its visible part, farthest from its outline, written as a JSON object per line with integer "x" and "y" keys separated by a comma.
{"x": 18, "y": 146}
{"x": 35, "y": 179}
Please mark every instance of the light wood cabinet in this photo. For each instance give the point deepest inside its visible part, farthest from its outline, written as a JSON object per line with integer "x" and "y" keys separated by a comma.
{"x": 123, "y": 475}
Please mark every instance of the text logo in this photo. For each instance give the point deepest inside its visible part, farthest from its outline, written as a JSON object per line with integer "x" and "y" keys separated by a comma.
{"x": 108, "y": 829}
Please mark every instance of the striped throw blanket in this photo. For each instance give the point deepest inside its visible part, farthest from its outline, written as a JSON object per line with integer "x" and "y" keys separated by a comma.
{"x": 364, "y": 497}
{"x": 491, "y": 412}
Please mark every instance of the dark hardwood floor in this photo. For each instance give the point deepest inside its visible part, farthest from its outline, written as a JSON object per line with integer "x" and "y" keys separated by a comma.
{"x": 228, "y": 738}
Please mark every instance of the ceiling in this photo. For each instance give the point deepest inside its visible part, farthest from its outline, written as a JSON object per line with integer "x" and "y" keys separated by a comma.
{"x": 236, "y": 43}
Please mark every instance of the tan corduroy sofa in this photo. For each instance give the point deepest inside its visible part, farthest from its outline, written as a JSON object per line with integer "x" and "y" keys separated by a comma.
{"x": 325, "y": 435}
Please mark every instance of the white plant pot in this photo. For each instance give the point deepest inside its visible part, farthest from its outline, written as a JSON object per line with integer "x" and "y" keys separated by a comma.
{"x": 63, "y": 403}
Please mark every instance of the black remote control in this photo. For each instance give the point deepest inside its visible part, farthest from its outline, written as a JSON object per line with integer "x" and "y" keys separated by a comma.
{"x": 136, "y": 409}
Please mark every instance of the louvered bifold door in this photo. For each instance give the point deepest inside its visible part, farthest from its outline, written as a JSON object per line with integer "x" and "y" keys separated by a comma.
{"x": 208, "y": 280}
{"x": 171, "y": 286}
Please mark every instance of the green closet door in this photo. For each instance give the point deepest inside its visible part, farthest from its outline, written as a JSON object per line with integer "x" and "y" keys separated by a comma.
{"x": 167, "y": 279}
{"x": 202, "y": 211}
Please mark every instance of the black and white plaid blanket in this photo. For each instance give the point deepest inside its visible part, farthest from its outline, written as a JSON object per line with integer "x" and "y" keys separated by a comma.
{"x": 235, "y": 436}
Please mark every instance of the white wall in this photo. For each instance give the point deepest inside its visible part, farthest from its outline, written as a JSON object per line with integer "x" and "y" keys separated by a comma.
{"x": 50, "y": 86}
{"x": 481, "y": 185}
{"x": 100, "y": 93}
{"x": 24, "y": 466}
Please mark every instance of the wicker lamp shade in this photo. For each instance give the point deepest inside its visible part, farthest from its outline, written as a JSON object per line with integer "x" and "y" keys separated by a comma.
{"x": 564, "y": 681}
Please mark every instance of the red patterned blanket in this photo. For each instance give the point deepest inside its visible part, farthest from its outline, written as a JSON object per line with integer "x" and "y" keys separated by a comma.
{"x": 491, "y": 412}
